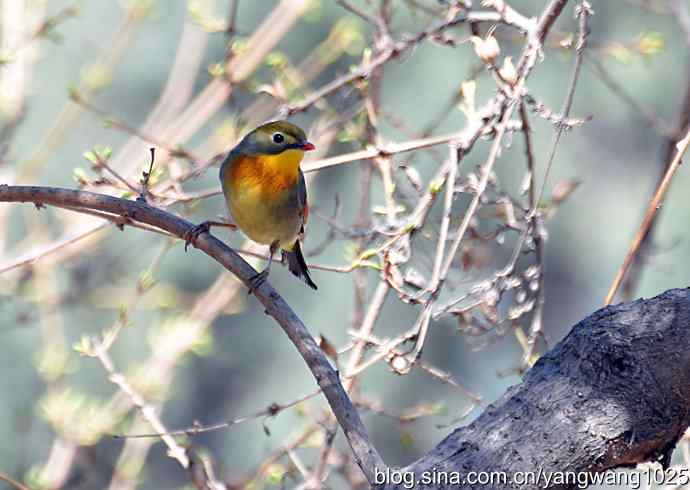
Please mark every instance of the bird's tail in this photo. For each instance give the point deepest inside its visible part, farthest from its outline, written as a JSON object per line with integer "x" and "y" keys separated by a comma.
{"x": 297, "y": 265}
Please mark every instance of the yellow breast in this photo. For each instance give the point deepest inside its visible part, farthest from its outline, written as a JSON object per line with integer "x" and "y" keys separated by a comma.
{"x": 259, "y": 191}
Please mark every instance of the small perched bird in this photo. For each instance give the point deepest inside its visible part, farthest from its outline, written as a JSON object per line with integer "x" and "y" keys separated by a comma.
{"x": 266, "y": 194}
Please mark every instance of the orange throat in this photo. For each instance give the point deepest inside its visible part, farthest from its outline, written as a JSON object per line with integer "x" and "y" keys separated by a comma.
{"x": 270, "y": 173}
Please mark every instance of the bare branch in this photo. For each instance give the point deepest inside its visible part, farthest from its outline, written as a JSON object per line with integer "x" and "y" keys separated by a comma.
{"x": 365, "y": 454}
{"x": 652, "y": 209}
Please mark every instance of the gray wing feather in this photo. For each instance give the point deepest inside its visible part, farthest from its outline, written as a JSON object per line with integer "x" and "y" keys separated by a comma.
{"x": 302, "y": 191}
{"x": 302, "y": 195}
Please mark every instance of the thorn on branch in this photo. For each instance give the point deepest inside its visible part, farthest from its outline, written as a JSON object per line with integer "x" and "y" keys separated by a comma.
{"x": 330, "y": 435}
{"x": 146, "y": 177}
{"x": 560, "y": 122}
{"x": 121, "y": 221}
{"x": 274, "y": 409}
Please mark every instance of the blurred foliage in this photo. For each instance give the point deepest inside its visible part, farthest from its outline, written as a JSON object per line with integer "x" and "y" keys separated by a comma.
{"x": 141, "y": 292}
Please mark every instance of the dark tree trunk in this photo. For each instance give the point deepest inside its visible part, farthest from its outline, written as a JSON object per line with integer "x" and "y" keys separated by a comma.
{"x": 613, "y": 393}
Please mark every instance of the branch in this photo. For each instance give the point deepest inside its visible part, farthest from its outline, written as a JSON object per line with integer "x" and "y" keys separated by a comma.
{"x": 652, "y": 209}
{"x": 397, "y": 48}
{"x": 583, "y": 12}
{"x": 613, "y": 393}
{"x": 13, "y": 483}
{"x": 551, "y": 13}
{"x": 148, "y": 412}
{"x": 671, "y": 138}
{"x": 327, "y": 378}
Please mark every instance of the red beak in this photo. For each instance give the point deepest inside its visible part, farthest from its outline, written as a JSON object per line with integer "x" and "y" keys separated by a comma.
{"x": 307, "y": 146}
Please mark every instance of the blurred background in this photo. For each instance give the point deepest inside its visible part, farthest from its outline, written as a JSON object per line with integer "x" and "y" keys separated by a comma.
{"x": 86, "y": 88}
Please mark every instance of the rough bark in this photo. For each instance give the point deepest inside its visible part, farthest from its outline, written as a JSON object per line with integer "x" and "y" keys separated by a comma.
{"x": 613, "y": 393}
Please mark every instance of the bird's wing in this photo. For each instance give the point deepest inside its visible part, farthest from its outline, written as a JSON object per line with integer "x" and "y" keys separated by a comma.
{"x": 302, "y": 199}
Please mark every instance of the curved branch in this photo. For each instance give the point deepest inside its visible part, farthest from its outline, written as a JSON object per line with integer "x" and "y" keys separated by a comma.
{"x": 327, "y": 378}
{"x": 615, "y": 392}
{"x": 600, "y": 399}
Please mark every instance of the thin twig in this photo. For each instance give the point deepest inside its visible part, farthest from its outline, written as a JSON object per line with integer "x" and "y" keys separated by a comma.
{"x": 13, "y": 483}
{"x": 397, "y": 48}
{"x": 681, "y": 12}
{"x": 271, "y": 411}
{"x": 445, "y": 219}
{"x": 653, "y": 120}
{"x": 147, "y": 411}
{"x": 583, "y": 12}
{"x": 51, "y": 249}
{"x": 652, "y": 209}
{"x": 359, "y": 13}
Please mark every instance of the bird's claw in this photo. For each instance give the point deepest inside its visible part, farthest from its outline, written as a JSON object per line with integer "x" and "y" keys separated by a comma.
{"x": 193, "y": 233}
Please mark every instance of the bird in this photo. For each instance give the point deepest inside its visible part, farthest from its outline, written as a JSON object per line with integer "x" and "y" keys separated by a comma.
{"x": 266, "y": 194}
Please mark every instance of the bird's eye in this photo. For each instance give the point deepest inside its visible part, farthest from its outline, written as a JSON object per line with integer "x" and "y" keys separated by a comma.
{"x": 278, "y": 138}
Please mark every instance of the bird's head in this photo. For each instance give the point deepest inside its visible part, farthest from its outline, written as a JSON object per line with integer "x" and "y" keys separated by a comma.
{"x": 274, "y": 138}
